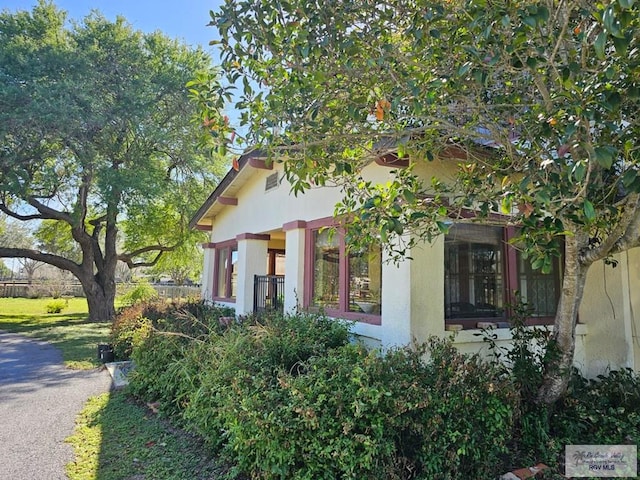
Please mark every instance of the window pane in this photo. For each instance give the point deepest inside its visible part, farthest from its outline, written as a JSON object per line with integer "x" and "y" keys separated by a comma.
{"x": 326, "y": 271}
{"x": 365, "y": 281}
{"x": 234, "y": 272}
{"x": 539, "y": 290}
{"x": 223, "y": 256}
{"x": 473, "y": 272}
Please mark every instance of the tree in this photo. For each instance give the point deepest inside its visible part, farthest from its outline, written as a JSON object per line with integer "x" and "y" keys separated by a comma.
{"x": 182, "y": 264}
{"x": 540, "y": 100}
{"x": 97, "y": 136}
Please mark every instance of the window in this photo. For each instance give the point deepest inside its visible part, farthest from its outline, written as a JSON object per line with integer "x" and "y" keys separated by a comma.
{"x": 348, "y": 285}
{"x": 226, "y": 272}
{"x": 540, "y": 291}
{"x": 482, "y": 272}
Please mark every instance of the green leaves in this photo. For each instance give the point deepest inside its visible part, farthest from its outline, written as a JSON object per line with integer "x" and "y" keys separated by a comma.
{"x": 605, "y": 156}
{"x": 599, "y": 45}
{"x": 589, "y": 211}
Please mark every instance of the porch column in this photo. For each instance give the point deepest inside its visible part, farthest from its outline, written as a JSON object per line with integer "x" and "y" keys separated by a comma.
{"x": 206, "y": 282}
{"x": 252, "y": 260}
{"x": 294, "y": 265}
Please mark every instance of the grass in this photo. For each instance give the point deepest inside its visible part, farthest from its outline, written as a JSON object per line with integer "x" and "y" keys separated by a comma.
{"x": 68, "y": 330}
{"x": 117, "y": 439}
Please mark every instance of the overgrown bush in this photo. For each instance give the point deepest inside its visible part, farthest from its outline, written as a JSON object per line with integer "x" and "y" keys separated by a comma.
{"x": 56, "y": 306}
{"x": 255, "y": 351}
{"x": 167, "y": 343}
{"x": 133, "y": 324}
{"x": 355, "y": 414}
{"x": 289, "y": 397}
{"x": 600, "y": 411}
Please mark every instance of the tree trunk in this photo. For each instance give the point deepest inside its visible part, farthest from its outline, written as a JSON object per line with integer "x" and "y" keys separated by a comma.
{"x": 100, "y": 299}
{"x": 557, "y": 370}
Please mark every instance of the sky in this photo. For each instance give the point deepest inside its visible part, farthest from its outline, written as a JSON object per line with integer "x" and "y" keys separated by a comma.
{"x": 182, "y": 19}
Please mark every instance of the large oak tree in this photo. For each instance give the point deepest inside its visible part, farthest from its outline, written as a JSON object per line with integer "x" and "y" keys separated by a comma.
{"x": 97, "y": 135}
{"x": 540, "y": 100}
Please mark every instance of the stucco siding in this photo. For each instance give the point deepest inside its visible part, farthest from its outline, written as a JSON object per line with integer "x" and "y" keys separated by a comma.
{"x": 633, "y": 271}
{"x": 605, "y": 310}
{"x": 259, "y": 211}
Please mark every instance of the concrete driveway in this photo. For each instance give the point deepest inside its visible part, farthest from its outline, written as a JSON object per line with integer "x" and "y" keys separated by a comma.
{"x": 39, "y": 400}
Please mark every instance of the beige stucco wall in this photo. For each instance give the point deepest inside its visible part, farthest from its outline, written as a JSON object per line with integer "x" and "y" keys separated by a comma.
{"x": 633, "y": 270}
{"x": 260, "y": 212}
{"x": 606, "y": 311}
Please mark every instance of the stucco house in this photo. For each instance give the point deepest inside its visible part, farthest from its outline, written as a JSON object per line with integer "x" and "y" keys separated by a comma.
{"x": 268, "y": 249}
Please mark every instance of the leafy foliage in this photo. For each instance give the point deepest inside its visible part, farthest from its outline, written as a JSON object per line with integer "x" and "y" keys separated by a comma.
{"x": 142, "y": 292}
{"x": 99, "y": 143}
{"x": 56, "y": 306}
{"x": 289, "y": 397}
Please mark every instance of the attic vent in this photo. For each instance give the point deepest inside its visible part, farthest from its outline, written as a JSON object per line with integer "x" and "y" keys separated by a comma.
{"x": 272, "y": 182}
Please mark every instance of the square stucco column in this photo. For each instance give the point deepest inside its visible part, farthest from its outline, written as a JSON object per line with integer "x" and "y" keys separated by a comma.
{"x": 427, "y": 290}
{"x": 252, "y": 260}
{"x": 206, "y": 282}
{"x": 294, "y": 265}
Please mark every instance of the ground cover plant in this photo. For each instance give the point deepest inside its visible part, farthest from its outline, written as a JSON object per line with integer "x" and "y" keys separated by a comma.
{"x": 69, "y": 330}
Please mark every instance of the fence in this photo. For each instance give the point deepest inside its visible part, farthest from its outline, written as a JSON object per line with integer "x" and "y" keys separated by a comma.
{"x": 37, "y": 290}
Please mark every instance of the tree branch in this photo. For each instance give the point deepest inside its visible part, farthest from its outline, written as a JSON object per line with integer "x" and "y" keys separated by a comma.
{"x": 631, "y": 237}
{"x": 623, "y": 236}
{"x": 55, "y": 260}
{"x": 128, "y": 258}
{"x": 17, "y": 216}
{"x": 49, "y": 213}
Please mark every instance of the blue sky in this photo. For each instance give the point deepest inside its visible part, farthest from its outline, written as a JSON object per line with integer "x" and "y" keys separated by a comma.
{"x": 183, "y": 19}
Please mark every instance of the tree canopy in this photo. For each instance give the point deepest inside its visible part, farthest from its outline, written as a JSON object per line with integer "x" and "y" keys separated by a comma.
{"x": 540, "y": 97}
{"x": 98, "y": 140}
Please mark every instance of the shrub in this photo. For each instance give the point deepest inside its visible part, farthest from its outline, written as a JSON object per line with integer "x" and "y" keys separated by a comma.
{"x": 130, "y": 328}
{"x": 254, "y": 351}
{"x": 169, "y": 350}
{"x": 143, "y": 292}
{"x": 56, "y": 306}
{"x": 604, "y": 410}
{"x": 289, "y": 397}
{"x": 355, "y": 414}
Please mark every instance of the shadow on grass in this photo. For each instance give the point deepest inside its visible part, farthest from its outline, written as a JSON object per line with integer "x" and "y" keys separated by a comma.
{"x": 31, "y": 322}
{"x": 117, "y": 439}
{"x": 72, "y": 333}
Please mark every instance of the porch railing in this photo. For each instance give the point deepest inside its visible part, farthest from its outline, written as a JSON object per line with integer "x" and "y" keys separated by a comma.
{"x": 268, "y": 293}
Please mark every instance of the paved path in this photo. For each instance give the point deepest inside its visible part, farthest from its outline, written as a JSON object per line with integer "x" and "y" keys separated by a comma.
{"x": 39, "y": 400}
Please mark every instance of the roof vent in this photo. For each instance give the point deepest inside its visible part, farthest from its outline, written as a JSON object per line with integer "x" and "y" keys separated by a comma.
{"x": 272, "y": 182}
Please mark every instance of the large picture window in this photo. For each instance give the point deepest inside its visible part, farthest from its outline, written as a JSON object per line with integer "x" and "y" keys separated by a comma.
{"x": 483, "y": 272}
{"x": 342, "y": 282}
{"x": 226, "y": 272}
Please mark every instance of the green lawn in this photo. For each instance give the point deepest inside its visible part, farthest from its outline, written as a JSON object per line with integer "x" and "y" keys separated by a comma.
{"x": 69, "y": 330}
{"x": 117, "y": 439}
